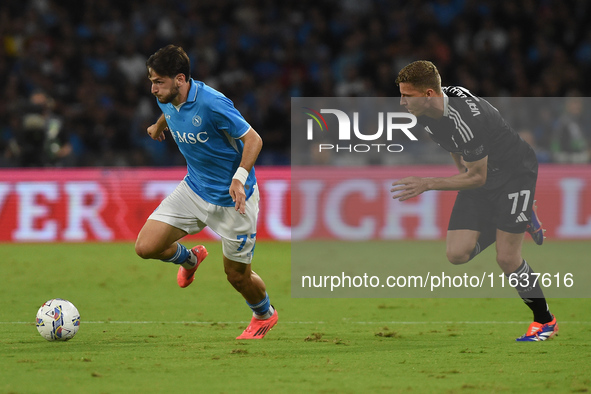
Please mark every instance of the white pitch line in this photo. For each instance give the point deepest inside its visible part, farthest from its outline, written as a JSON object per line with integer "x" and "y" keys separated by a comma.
{"x": 306, "y": 322}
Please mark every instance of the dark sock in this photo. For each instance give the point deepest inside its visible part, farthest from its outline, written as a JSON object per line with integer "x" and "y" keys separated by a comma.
{"x": 533, "y": 296}
{"x": 487, "y": 237}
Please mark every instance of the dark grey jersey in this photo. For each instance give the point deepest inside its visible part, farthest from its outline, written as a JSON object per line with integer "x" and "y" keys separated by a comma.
{"x": 473, "y": 128}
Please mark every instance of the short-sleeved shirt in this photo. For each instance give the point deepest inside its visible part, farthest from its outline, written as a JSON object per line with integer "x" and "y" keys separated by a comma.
{"x": 473, "y": 128}
{"x": 207, "y": 128}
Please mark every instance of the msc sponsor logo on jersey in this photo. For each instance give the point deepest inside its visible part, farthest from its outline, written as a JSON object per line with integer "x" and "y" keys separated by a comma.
{"x": 190, "y": 138}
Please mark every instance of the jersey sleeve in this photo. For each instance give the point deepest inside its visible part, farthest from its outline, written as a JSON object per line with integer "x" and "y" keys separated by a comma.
{"x": 227, "y": 117}
{"x": 470, "y": 123}
{"x": 474, "y": 151}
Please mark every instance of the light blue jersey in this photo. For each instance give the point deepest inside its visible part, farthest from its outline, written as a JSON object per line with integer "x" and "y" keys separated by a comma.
{"x": 206, "y": 129}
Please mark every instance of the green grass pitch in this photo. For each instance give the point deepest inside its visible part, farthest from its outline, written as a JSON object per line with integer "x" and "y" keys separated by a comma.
{"x": 141, "y": 333}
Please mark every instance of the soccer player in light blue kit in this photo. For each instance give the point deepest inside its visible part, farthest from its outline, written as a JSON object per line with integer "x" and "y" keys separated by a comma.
{"x": 219, "y": 190}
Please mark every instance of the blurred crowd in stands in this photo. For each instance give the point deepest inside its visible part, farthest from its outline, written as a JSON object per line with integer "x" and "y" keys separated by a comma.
{"x": 75, "y": 92}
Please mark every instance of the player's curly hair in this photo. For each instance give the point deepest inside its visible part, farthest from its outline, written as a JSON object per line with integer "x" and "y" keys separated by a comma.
{"x": 422, "y": 74}
{"x": 170, "y": 61}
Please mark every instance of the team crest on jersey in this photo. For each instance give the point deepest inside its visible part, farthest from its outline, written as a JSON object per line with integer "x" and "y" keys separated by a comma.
{"x": 196, "y": 121}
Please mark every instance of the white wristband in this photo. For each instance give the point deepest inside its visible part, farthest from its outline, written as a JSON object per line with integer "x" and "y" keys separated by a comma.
{"x": 241, "y": 174}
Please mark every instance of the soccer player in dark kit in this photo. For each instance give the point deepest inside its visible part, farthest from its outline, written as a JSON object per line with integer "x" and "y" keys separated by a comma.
{"x": 496, "y": 182}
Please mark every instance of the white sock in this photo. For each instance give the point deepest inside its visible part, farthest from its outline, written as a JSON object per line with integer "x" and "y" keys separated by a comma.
{"x": 191, "y": 262}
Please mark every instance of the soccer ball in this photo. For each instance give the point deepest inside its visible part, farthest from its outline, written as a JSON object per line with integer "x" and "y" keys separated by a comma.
{"x": 58, "y": 320}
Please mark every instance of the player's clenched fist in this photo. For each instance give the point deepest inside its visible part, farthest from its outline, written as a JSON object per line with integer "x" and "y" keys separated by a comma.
{"x": 156, "y": 134}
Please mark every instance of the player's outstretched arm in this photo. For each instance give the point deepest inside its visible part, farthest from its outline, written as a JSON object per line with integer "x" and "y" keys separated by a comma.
{"x": 156, "y": 131}
{"x": 252, "y": 147}
{"x": 473, "y": 177}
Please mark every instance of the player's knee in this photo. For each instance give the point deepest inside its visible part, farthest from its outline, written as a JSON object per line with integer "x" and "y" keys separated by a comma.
{"x": 236, "y": 279}
{"x": 144, "y": 250}
{"x": 457, "y": 256}
{"x": 508, "y": 262}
